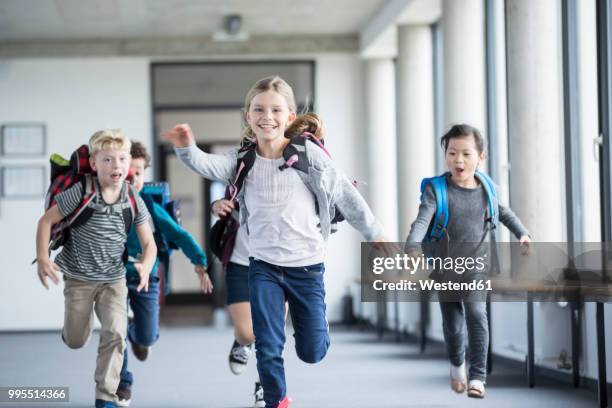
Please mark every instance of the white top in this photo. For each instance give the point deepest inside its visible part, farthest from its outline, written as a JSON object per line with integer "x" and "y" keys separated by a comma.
{"x": 240, "y": 254}
{"x": 283, "y": 222}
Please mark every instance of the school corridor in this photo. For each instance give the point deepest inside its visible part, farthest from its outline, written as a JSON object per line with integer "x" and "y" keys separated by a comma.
{"x": 388, "y": 78}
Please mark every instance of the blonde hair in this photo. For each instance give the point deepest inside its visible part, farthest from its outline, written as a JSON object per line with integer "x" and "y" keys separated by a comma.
{"x": 108, "y": 137}
{"x": 308, "y": 122}
{"x": 271, "y": 83}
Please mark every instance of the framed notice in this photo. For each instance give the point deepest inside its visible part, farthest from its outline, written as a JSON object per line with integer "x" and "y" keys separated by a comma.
{"x": 23, "y": 140}
{"x": 23, "y": 181}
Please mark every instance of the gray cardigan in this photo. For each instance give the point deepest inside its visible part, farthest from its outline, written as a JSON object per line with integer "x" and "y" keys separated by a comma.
{"x": 329, "y": 185}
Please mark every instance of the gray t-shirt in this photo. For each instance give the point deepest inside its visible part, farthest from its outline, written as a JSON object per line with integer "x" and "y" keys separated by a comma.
{"x": 94, "y": 250}
{"x": 467, "y": 208}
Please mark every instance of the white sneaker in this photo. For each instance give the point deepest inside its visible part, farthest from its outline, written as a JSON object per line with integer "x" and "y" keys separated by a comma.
{"x": 239, "y": 357}
{"x": 476, "y": 389}
{"x": 458, "y": 378}
{"x": 259, "y": 399}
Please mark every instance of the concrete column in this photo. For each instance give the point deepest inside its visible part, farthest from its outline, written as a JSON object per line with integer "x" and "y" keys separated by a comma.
{"x": 535, "y": 103}
{"x": 416, "y": 141}
{"x": 535, "y": 136}
{"x": 464, "y": 63}
{"x": 381, "y": 137}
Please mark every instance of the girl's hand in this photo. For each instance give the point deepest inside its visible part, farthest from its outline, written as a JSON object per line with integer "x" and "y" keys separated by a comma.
{"x": 222, "y": 207}
{"x": 388, "y": 248}
{"x": 525, "y": 242}
{"x": 205, "y": 283}
{"x": 180, "y": 135}
{"x": 144, "y": 277}
{"x": 48, "y": 269}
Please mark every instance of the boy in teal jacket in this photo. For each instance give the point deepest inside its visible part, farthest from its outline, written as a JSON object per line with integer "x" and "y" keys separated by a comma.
{"x": 143, "y": 330}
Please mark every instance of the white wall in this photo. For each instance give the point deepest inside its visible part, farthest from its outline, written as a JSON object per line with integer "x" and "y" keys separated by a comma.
{"x": 74, "y": 98}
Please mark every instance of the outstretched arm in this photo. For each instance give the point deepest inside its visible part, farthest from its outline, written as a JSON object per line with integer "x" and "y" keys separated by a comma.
{"x": 176, "y": 234}
{"x": 211, "y": 166}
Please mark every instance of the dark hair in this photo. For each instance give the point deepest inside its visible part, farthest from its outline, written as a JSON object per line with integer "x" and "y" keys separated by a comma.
{"x": 464, "y": 130}
{"x": 308, "y": 122}
{"x": 139, "y": 151}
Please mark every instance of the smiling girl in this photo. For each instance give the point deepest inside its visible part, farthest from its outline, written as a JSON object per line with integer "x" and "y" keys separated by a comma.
{"x": 287, "y": 215}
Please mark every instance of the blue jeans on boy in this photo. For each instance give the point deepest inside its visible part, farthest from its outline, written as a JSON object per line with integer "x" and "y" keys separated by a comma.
{"x": 144, "y": 329}
{"x": 303, "y": 288}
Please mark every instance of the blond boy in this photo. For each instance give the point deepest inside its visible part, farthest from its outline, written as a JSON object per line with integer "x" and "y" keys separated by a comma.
{"x": 92, "y": 259}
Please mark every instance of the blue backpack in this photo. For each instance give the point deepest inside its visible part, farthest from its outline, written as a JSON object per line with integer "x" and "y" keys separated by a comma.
{"x": 438, "y": 224}
{"x": 159, "y": 192}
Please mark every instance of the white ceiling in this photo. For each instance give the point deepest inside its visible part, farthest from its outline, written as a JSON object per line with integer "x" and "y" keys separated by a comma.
{"x": 35, "y": 20}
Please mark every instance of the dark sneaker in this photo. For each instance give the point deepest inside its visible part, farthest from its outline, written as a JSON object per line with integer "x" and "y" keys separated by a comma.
{"x": 140, "y": 352}
{"x": 259, "y": 400}
{"x": 105, "y": 404}
{"x": 124, "y": 396}
{"x": 239, "y": 357}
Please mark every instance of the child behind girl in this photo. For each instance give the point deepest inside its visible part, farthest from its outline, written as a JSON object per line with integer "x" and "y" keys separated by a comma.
{"x": 143, "y": 330}
{"x": 464, "y": 150}
{"x": 287, "y": 215}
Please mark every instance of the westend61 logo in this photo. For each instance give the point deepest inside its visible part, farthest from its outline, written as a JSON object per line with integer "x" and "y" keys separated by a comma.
{"x": 449, "y": 272}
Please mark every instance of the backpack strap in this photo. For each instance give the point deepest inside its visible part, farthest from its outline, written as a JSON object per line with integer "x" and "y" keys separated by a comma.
{"x": 90, "y": 197}
{"x": 295, "y": 152}
{"x": 440, "y": 221}
{"x": 126, "y": 206}
{"x": 491, "y": 192}
{"x": 129, "y": 208}
{"x": 244, "y": 163}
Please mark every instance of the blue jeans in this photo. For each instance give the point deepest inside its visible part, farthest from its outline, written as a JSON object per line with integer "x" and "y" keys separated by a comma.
{"x": 303, "y": 288}
{"x": 454, "y": 317}
{"x": 144, "y": 329}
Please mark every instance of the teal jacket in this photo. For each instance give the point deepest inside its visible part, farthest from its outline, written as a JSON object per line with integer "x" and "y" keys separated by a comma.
{"x": 173, "y": 232}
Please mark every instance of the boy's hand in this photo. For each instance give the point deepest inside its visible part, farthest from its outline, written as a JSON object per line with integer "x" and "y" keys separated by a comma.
{"x": 223, "y": 207}
{"x": 48, "y": 269}
{"x": 180, "y": 135}
{"x": 144, "y": 277}
{"x": 525, "y": 242}
{"x": 205, "y": 283}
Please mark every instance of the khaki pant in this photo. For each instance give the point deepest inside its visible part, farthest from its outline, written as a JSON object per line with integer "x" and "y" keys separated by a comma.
{"x": 109, "y": 302}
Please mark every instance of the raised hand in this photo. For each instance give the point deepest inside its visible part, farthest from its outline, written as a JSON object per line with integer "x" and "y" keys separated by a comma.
{"x": 180, "y": 135}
